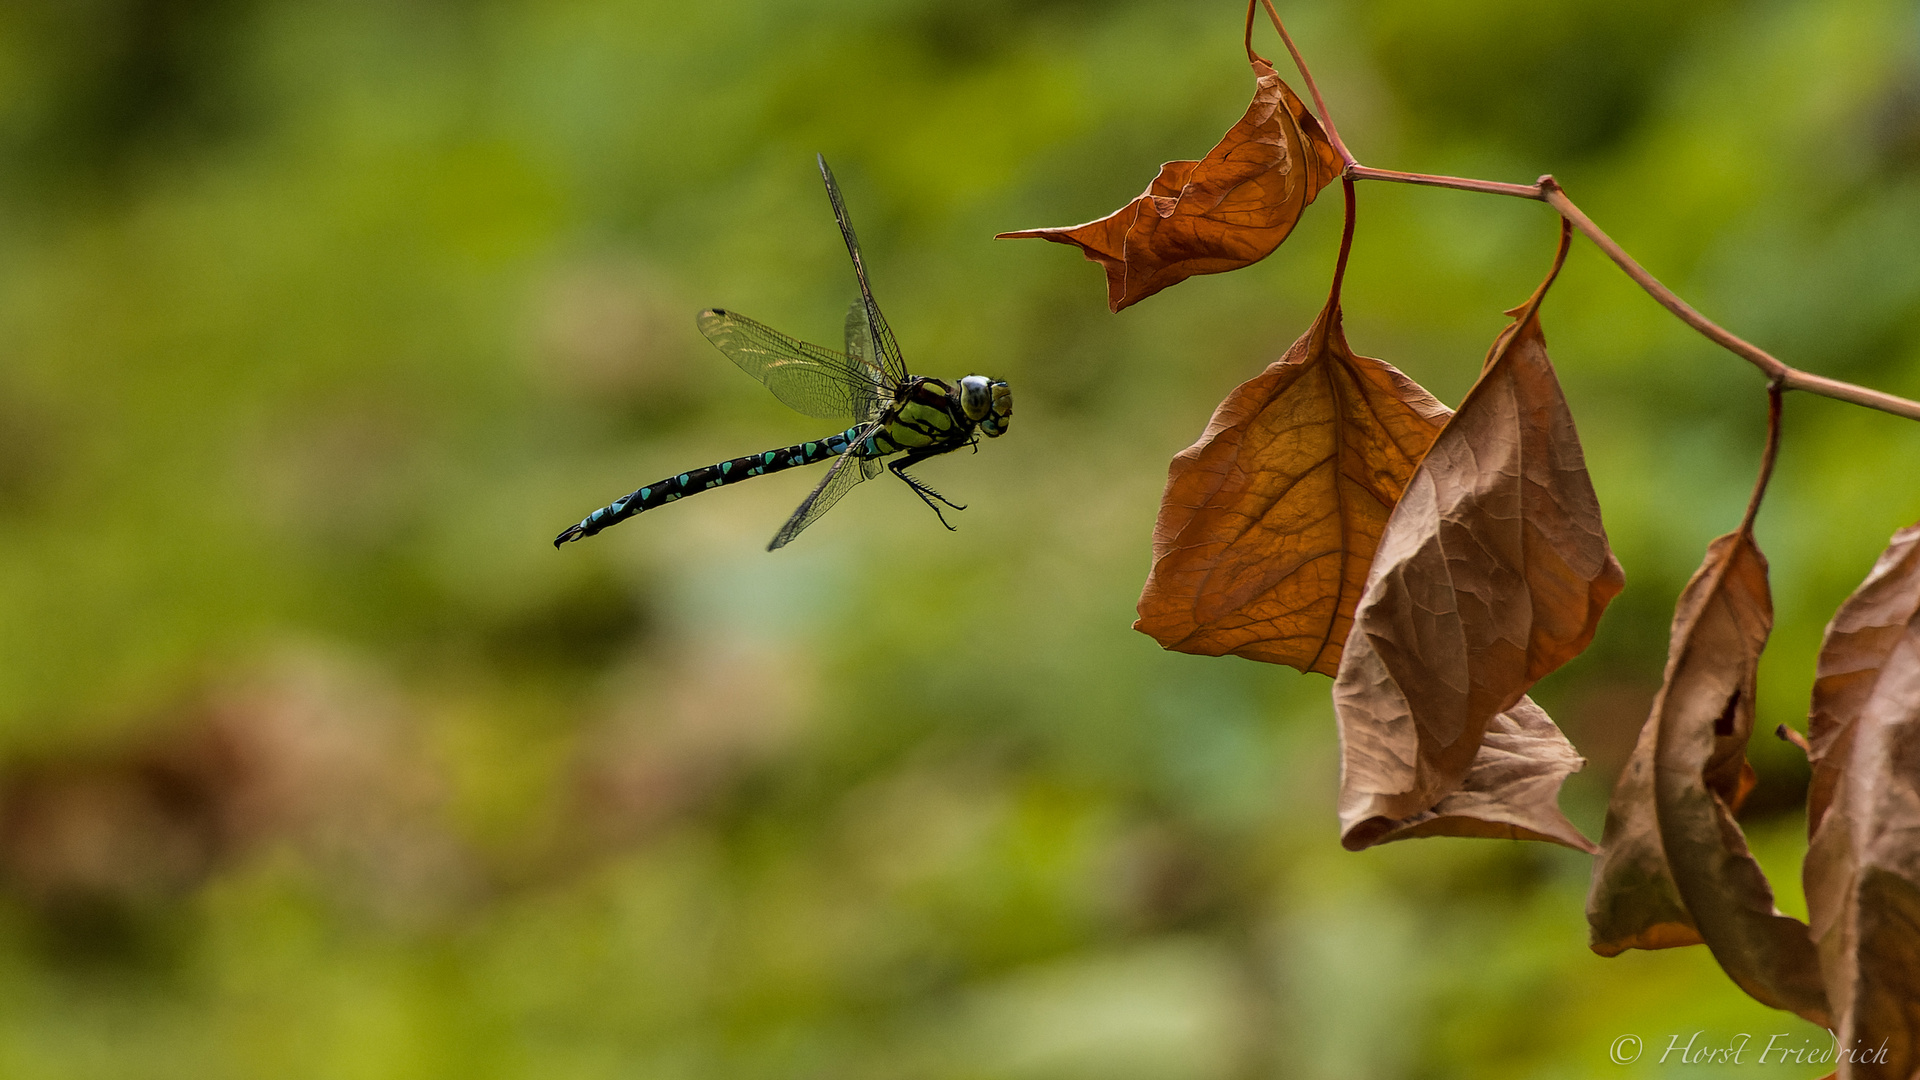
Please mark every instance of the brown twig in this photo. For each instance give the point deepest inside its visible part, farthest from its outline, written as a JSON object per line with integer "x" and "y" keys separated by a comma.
{"x": 1491, "y": 187}
{"x": 1547, "y": 190}
{"x": 1787, "y": 734}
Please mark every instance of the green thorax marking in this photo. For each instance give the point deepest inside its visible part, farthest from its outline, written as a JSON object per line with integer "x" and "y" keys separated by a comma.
{"x": 925, "y": 418}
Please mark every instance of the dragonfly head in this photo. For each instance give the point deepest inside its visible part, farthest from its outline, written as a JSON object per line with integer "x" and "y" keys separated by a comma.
{"x": 987, "y": 402}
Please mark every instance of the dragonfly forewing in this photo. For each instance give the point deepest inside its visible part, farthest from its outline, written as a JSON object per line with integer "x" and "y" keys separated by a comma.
{"x": 888, "y": 349}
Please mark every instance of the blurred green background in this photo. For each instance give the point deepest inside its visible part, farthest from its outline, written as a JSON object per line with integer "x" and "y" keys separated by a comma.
{"x": 319, "y": 319}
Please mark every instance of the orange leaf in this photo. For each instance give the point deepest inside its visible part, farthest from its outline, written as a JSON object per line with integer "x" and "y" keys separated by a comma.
{"x": 1862, "y": 871}
{"x": 1492, "y": 571}
{"x": 1225, "y": 211}
{"x": 1694, "y": 747}
{"x": 1269, "y": 521}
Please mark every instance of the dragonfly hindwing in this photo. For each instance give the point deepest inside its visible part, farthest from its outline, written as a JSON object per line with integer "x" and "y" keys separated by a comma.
{"x": 804, "y": 376}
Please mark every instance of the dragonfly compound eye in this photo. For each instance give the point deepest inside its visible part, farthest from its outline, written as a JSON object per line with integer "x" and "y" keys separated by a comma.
{"x": 995, "y": 424}
{"x": 976, "y": 397}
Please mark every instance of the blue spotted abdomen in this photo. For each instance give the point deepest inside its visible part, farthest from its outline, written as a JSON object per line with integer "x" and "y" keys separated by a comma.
{"x": 662, "y": 492}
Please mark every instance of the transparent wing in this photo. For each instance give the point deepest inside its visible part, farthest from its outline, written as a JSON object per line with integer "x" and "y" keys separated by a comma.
{"x": 860, "y": 351}
{"x": 887, "y": 348}
{"x": 806, "y": 377}
{"x": 843, "y": 475}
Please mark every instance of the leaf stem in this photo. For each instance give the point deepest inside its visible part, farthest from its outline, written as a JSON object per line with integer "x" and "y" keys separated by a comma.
{"x": 1766, "y": 459}
{"x": 1547, "y": 190}
{"x": 1326, "y": 118}
{"x": 1346, "y": 245}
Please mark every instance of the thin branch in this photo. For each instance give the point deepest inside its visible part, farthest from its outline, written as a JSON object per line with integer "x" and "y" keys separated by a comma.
{"x": 1787, "y": 734}
{"x": 1326, "y": 118}
{"x": 1790, "y": 377}
{"x": 1491, "y": 187}
{"x": 1753, "y": 354}
{"x": 1548, "y": 191}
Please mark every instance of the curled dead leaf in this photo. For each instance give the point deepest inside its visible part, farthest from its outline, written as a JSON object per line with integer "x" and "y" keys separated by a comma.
{"x": 1633, "y": 902}
{"x": 1230, "y": 209}
{"x": 1510, "y": 792}
{"x": 1673, "y": 860}
{"x": 1269, "y": 521}
{"x": 1700, "y": 724}
{"x": 1492, "y": 571}
{"x": 1862, "y": 872}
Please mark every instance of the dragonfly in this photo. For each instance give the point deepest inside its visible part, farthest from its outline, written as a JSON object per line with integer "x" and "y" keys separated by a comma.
{"x": 908, "y": 418}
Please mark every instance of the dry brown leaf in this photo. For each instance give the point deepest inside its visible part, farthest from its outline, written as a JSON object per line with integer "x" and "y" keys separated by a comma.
{"x": 1862, "y": 872}
{"x": 1269, "y": 521}
{"x": 1493, "y": 570}
{"x": 1674, "y": 866}
{"x": 1225, "y": 211}
{"x": 1511, "y": 792}
{"x": 1862, "y": 634}
{"x": 1633, "y": 902}
{"x": 1703, "y": 717}
{"x": 1683, "y": 821}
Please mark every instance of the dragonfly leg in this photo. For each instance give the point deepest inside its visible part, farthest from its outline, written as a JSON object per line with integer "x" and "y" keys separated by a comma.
{"x": 927, "y": 494}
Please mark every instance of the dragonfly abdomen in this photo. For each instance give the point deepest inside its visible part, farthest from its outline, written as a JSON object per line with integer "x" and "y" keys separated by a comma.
{"x": 720, "y": 474}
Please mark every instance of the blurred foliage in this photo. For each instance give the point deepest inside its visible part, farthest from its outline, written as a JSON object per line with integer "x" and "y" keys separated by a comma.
{"x": 318, "y": 320}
